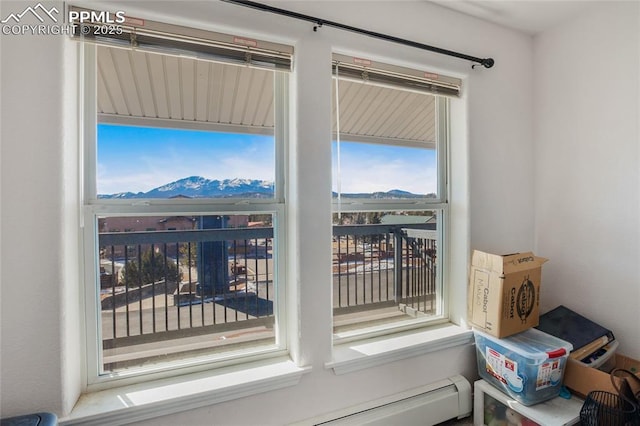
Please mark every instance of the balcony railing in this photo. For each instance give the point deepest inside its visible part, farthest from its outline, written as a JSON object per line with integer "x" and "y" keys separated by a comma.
{"x": 161, "y": 291}
{"x": 389, "y": 270}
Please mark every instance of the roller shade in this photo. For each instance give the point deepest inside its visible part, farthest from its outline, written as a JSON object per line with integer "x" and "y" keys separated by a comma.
{"x": 146, "y": 35}
{"x": 364, "y": 70}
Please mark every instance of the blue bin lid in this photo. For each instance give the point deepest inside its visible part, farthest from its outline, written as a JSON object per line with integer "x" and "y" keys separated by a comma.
{"x": 532, "y": 344}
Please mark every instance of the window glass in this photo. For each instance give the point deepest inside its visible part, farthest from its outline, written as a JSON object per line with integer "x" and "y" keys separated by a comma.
{"x": 388, "y": 150}
{"x": 179, "y": 286}
{"x": 151, "y": 162}
{"x": 379, "y": 171}
{"x": 385, "y": 268}
{"x": 385, "y": 142}
{"x": 179, "y": 271}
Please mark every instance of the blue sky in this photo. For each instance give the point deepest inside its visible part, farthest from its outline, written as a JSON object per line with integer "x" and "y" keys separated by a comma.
{"x": 140, "y": 159}
{"x": 376, "y": 167}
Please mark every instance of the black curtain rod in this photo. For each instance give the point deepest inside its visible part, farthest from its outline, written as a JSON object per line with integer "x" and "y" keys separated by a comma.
{"x": 486, "y": 62}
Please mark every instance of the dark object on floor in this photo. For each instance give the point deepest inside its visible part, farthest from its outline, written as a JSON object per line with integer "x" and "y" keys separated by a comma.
{"x": 607, "y": 409}
{"x": 36, "y": 419}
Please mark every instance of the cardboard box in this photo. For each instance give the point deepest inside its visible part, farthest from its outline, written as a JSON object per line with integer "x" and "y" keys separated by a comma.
{"x": 504, "y": 292}
{"x": 581, "y": 379}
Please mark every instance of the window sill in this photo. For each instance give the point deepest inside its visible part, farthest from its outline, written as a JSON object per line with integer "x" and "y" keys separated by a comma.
{"x": 354, "y": 356}
{"x": 162, "y": 397}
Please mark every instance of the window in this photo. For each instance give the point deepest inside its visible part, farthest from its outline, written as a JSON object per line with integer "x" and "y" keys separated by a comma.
{"x": 390, "y": 211}
{"x": 183, "y": 198}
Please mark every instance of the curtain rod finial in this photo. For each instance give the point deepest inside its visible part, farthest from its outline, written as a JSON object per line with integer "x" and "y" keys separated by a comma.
{"x": 488, "y": 62}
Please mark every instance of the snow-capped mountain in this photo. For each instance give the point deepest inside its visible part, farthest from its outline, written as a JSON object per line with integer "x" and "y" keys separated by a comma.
{"x": 200, "y": 187}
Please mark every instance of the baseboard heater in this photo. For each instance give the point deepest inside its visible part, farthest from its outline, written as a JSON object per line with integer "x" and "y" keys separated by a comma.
{"x": 427, "y": 405}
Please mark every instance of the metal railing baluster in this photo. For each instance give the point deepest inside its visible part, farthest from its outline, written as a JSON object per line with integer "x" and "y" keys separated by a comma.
{"x": 153, "y": 288}
{"x": 166, "y": 286}
{"x": 178, "y": 291}
{"x": 114, "y": 279}
{"x": 126, "y": 289}
{"x": 139, "y": 259}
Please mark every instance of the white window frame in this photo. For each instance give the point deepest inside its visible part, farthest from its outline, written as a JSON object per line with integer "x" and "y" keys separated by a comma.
{"x": 92, "y": 207}
{"x": 440, "y": 204}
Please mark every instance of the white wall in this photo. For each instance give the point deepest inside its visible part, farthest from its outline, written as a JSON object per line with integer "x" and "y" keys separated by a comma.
{"x": 38, "y": 223}
{"x": 587, "y": 144}
{"x": 40, "y": 344}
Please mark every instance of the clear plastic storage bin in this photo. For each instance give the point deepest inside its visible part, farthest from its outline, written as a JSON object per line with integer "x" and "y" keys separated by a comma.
{"x": 527, "y": 366}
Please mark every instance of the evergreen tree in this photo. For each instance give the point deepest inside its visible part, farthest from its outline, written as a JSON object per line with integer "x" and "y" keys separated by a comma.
{"x": 188, "y": 254}
{"x": 149, "y": 269}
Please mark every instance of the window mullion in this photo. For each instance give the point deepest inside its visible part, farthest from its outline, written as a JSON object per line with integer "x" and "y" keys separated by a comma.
{"x": 281, "y": 119}
{"x": 88, "y": 121}
{"x": 442, "y": 135}
{"x": 92, "y": 323}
